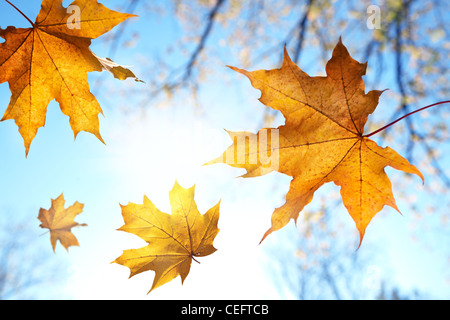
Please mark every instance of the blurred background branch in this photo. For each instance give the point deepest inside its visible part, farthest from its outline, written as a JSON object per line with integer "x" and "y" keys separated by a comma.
{"x": 409, "y": 54}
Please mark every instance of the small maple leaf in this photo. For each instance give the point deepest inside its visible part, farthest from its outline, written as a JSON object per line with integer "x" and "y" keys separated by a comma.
{"x": 51, "y": 61}
{"x": 60, "y": 221}
{"x": 173, "y": 240}
{"x": 322, "y": 140}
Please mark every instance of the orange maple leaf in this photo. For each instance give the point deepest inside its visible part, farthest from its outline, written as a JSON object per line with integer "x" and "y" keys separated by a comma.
{"x": 51, "y": 60}
{"x": 60, "y": 222}
{"x": 173, "y": 240}
{"x": 322, "y": 140}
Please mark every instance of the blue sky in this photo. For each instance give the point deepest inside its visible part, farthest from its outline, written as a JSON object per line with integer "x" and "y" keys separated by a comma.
{"x": 146, "y": 151}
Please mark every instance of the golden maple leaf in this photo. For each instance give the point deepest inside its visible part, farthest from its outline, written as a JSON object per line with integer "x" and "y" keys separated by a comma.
{"x": 60, "y": 221}
{"x": 173, "y": 240}
{"x": 322, "y": 140}
{"x": 51, "y": 61}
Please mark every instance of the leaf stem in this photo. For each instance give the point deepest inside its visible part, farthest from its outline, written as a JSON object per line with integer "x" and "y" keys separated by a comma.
{"x": 195, "y": 259}
{"x": 23, "y": 14}
{"x": 44, "y": 233}
{"x": 405, "y": 116}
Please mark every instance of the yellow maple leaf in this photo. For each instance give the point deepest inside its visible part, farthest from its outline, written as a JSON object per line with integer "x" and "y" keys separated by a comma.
{"x": 322, "y": 140}
{"x": 51, "y": 60}
{"x": 60, "y": 221}
{"x": 174, "y": 240}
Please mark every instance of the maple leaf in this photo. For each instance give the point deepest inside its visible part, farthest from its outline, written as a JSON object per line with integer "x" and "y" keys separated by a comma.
{"x": 173, "y": 240}
{"x": 51, "y": 61}
{"x": 60, "y": 221}
{"x": 322, "y": 140}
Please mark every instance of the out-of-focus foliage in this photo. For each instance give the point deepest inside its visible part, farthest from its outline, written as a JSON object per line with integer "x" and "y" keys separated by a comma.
{"x": 25, "y": 266}
{"x": 409, "y": 54}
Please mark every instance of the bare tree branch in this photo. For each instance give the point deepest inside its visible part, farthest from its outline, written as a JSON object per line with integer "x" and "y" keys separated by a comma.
{"x": 203, "y": 39}
{"x": 302, "y": 27}
{"x": 189, "y": 67}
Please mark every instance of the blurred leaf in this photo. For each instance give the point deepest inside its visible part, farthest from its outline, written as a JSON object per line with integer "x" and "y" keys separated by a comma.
{"x": 60, "y": 221}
